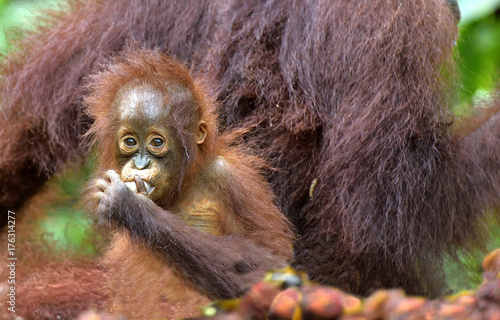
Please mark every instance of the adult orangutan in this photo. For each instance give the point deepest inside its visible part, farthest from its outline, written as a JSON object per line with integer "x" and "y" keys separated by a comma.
{"x": 195, "y": 220}
{"x": 348, "y": 100}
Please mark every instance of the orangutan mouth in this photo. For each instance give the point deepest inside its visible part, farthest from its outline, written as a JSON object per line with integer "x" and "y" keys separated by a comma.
{"x": 140, "y": 185}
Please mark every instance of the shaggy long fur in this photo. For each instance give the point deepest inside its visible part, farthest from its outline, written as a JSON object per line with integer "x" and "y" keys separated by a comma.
{"x": 49, "y": 284}
{"x": 212, "y": 231}
{"x": 349, "y": 100}
{"x": 60, "y": 290}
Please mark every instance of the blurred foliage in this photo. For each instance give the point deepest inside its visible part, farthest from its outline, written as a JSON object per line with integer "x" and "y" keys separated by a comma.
{"x": 16, "y": 14}
{"x": 479, "y": 62}
{"x": 479, "y": 50}
{"x": 464, "y": 271}
{"x": 65, "y": 226}
{"x": 474, "y": 10}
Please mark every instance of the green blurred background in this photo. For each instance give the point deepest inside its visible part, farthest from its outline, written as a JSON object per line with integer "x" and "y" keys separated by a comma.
{"x": 67, "y": 228}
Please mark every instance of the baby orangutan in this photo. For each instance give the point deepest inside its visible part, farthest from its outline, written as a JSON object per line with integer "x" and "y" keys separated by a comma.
{"x": 194, "y": 218}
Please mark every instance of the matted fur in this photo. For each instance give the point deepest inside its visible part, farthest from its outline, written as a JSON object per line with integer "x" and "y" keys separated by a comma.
{"x": 352, "y": 94}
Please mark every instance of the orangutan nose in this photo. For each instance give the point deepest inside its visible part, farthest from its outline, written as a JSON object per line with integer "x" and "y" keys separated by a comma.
{"x": 141, "y": 162}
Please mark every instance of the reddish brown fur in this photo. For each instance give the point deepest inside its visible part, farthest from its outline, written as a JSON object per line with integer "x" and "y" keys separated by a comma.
{"x": 351, "y": 93}
{"x": 159, "y": 72}
{"x": 153, "y": 68}
{"x": 159, "y": 264}
{"x": 62, "y": 289}
{"x": 48, "y": 284}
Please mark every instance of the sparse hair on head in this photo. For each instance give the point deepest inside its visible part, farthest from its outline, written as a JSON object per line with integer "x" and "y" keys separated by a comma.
{"x": 137, "y": 67}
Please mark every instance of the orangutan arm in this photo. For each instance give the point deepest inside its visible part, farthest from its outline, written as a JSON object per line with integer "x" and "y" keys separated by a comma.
{"x": 221, "y": 266}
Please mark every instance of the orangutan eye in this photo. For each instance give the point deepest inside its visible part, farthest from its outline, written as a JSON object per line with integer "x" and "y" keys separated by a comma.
{"x": 130, "y": 142}
{"x": 157, "y": 142}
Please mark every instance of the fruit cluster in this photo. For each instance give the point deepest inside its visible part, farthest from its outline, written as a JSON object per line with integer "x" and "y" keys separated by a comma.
{"x": 288, "y": 295}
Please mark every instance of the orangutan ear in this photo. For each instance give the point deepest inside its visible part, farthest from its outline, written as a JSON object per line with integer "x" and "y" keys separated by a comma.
{"x": 201, "y": 134}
